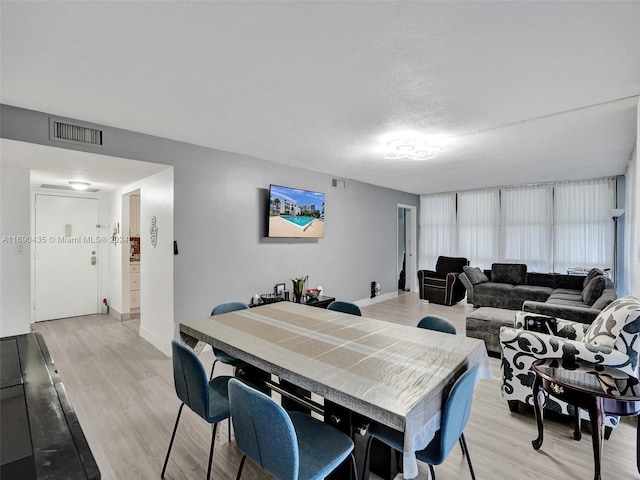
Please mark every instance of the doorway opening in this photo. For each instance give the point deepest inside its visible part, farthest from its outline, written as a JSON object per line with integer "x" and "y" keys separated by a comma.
{"x": 131, "y": 253}
{"x": 406, "y": 249}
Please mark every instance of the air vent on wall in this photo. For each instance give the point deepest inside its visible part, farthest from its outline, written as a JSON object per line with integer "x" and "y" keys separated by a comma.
{"x": 335, "y": 183}
{"x": 64, "y": 131}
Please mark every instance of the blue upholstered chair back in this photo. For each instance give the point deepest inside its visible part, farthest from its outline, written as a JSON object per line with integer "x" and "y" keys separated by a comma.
{"x": 345, "y": 307}
{"x": 264, "y": 431}
{"x": 456, "y": 411}
{"x": 228, "y": 307}
{"x": 431, "y": 322}
{"x": 190, "y": 379}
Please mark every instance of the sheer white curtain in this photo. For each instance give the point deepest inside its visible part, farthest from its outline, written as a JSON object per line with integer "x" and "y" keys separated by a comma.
{"x": 527, "y": 226}
{"x": 583, "y": 227}
{"x": 632, "y": 181}
{"x": 478, "y": 226}
{"x": 437, "y": 228}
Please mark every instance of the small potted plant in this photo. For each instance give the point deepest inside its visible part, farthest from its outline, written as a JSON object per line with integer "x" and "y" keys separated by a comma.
{"x": 298, "y": 287}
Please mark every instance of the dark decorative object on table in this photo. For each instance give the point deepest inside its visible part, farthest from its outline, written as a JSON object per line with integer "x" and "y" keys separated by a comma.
{"x": 298, "y": 287}
{"x": 541, "y": 324}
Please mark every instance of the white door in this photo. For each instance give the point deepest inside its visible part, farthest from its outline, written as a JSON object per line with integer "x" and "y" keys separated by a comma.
{"x": 66, "y": 256}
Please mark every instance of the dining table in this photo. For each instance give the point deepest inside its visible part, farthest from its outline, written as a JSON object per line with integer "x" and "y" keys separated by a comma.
{"x": 391, "y": 373}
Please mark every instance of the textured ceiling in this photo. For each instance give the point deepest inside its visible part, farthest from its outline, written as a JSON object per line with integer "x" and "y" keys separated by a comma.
{"x": 515, "y": 92}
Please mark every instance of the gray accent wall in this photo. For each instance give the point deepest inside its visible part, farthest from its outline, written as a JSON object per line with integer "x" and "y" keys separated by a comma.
{"x": 220, "y": 207}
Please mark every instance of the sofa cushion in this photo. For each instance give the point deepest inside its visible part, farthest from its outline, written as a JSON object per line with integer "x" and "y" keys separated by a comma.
{"x": 593, "y": 290}
{"x": 567, "y": 290}
{"x": 608, "y": 296}
{"x": 566, "y": 302}
{"x": 617, "y": 326}
{"x": 475, "y": 275}
{"x": 531, "y": 292}
{"x": 594, "y": 272}
{"x": 574, "y": 296}
{"x": 493, "y": 288}
{"x": 514, "y": 273}
{"x": 491, "y": 294}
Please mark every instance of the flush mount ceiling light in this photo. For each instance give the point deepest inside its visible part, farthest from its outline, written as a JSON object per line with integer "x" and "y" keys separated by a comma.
{"x": 411, "y": 149}
{"x": 79, "y": 185}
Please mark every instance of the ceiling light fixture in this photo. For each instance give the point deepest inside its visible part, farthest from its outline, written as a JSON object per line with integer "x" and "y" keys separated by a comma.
{"x": 411, "y": 149}
{"x": 79, "y": 185}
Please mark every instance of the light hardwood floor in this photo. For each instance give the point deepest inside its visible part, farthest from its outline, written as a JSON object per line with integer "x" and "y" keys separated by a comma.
{"x": 122, "y": 390}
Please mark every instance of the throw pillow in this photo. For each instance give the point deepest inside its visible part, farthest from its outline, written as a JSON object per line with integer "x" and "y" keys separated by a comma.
{"x": 608, "y": 296}
{"x": 541, "y": 324}
{"x": 513, "y": 273}
{"x": 621, "y": 318}
{"x": 475, "y": 275}
{"x": 593, "y": 290}
{"x": 594, "y": 272}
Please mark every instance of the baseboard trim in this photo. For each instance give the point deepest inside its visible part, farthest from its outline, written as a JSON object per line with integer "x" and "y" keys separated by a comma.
{"x": 122, "y": 317}
{"x": 380, "y": 298}
{"x": 163, "y": 345}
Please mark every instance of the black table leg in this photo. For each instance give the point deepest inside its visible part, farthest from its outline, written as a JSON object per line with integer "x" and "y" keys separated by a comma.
{"x": 538, "y": 403}
{"x": 577, "y": 433}
{"x": 596, "y": 416}
{"x": 638, "y": 443}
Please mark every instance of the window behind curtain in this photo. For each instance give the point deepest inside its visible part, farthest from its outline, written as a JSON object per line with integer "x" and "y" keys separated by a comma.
{"x": 527, "y": 226}
{"x": 478, "y": 223}
{"x": 583, "y": 228}
{"x": 437, "y": 228}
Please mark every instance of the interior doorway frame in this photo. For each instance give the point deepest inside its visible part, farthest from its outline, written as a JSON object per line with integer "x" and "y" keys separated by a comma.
{"x": 411, "y": 259}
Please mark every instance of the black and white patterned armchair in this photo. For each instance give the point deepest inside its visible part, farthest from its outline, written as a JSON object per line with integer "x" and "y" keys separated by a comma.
{"x": 613, "y": 340}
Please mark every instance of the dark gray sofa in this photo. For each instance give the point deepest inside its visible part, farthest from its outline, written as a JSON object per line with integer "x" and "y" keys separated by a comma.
{"x": 509, "y": 286}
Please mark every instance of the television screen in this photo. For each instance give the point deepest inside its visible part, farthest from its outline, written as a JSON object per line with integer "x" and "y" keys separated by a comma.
{"x": 295, "y": 213}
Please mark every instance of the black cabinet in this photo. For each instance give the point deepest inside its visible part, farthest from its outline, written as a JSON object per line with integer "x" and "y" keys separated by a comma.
{"x": 40, "y": 433}
{"x": 320, "y": 302}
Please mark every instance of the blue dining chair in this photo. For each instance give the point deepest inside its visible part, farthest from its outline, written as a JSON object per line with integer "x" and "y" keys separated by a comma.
{"x": 439, "y": 324}
{"x": 287, "y": 445}
{"x": 455, "y": 415}
{"x": 219, "y": 354}
{"x": 345, "y": 307}
{"x": 209, "y": 399}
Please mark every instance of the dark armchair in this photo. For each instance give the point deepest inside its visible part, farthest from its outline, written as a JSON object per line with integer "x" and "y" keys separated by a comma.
{"x": 442, "y": 286}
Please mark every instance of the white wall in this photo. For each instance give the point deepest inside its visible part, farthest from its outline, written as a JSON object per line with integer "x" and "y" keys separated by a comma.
{"x": 156, "y": 262}
{"x": 219, "y": 211}
{"x": 15, "y": 258}
{"x": 114, "y": 257}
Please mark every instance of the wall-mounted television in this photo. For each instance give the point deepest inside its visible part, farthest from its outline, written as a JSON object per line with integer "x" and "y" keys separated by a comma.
{"x": 295, "y": 213}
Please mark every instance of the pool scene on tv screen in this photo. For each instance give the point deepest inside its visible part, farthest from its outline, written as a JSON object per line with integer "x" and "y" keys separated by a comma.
{"x": 295, "y": 213}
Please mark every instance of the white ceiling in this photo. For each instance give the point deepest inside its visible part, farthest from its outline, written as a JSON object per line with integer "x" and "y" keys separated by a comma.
{"x": 516, "y": 92}
{"x": 58, "y": 166}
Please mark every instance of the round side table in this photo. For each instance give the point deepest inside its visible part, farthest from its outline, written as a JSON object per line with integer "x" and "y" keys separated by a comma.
{"x": 597, "y": 389}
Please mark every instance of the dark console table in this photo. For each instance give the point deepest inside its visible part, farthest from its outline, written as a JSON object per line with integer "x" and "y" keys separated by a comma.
{"x": 40, "y": 437}
{"x": 601, "y": 391}
{"x": 320, "y": 302}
